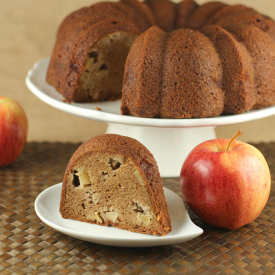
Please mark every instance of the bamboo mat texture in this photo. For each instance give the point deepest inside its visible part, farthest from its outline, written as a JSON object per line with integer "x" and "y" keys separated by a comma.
{"x": 28, "y": 246}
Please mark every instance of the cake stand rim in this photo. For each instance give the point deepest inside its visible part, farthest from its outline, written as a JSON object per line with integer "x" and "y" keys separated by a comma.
{"x": 110, "y": 113}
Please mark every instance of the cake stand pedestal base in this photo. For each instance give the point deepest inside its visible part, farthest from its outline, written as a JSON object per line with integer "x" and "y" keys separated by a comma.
{"x": 170, "y": 146}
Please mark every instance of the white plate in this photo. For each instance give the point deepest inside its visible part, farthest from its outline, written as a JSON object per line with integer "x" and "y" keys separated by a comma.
{"x": 110, "y": 111}
{"x": 183, "y": 229}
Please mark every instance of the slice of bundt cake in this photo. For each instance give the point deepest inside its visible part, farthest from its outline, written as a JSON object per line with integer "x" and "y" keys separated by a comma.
{"x": 114, "y": 180}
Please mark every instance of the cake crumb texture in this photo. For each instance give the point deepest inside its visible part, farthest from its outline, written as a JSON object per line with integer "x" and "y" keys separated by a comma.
{"x": 114, "y": 180}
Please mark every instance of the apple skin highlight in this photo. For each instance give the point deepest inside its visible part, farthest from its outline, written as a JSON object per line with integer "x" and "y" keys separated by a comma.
{"x": 227, "y": 189}
{"x": 13, "y": 130}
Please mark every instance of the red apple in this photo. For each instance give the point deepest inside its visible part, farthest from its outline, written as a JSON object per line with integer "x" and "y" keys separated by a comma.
{"x": 225, "y": 182}
{"x": 13, "y": 130}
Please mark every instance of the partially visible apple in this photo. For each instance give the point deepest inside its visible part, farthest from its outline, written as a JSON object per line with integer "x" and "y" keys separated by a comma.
{"x": 13, "y": 130}
{"x": 225, "y": 182}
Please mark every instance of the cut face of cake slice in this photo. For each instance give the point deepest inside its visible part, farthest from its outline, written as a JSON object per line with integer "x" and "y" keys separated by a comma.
{"x": 114, "y": 180}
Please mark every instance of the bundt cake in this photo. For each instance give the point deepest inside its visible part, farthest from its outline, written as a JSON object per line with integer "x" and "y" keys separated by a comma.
{"x": 114, "y": 180}
{"x": 167, "y": 60}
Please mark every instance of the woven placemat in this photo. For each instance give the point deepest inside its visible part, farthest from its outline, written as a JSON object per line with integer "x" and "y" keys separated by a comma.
{"x": 28, "y": 246}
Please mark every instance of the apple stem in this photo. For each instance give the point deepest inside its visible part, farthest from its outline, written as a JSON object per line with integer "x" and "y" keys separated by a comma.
{"x": 239, "y": 133}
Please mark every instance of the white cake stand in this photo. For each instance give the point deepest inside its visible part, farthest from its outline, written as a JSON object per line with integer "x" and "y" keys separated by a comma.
{"x": 169, "y": 140}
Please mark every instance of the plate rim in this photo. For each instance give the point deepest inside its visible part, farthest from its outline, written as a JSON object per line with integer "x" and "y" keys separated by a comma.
{"x": 142, "y": 241}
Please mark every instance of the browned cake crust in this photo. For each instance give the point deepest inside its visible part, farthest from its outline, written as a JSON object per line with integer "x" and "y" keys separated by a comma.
{"x": 114, "y": 180}
{"x": 174, "y": 55}
{"x": 217, "y": 70}
{"x": 183, "y": 10}
{"x": 143, "y": 10}
{"x": 190, "y": 54}
{"x": 143, "y": 96}
{"x": 162, "y": 80}
{"x": 225, "y": 11}
{"x": 165, "y": 13}
{"x": 238, "y": 74}
{"x": 249, "y": 17}
{"x": 202, "y": 14}
{"x": 261, "y": 49}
